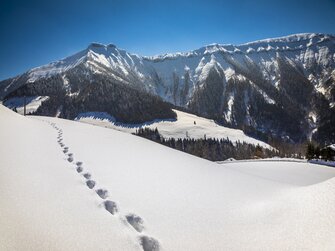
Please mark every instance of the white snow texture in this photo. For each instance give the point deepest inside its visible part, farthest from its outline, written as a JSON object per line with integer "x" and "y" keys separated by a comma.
{"x": 177, "y": 201}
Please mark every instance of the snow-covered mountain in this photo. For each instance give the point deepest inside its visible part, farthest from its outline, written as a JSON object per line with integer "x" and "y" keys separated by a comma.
{"x": 72, "y": 186}
{"x": 282, "y": 86}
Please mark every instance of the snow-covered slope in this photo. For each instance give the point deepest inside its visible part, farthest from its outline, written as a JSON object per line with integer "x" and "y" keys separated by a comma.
{"x": 185, "y": 126}
{"x": 304, "y": 49}
{"x": 96, "y": 59}
{"x": 277, "y": 169}
{"x": 45, "y": 205}
{"x": 32, "y": 103}
{"x": 186, "y": 203}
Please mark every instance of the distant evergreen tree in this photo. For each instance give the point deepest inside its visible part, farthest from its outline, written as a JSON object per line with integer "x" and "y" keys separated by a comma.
{"x": 258, "y": 151}
{"x": 317, "y": 152}
{"x": 327, "y": 154}
{"x": 310, "y": 151}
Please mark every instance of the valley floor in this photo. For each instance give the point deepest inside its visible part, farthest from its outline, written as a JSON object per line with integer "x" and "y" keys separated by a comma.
{"x": 158, "y": 198}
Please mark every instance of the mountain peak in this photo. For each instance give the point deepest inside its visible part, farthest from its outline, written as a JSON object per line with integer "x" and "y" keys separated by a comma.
{"x": 95, "y": 45}
{"x": 111, "y": 45}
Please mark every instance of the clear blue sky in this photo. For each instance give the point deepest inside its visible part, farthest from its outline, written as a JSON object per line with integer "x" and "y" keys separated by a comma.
{"x": 33, "y": 33}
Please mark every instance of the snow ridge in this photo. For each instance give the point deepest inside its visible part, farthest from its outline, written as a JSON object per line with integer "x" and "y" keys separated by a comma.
{"x": 112, "y": 57}
{"x": 271, "y": 44}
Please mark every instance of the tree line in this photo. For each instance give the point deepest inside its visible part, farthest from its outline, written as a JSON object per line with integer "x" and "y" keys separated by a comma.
{"x": 315, "y": 152}
{"x": 209, "y": 148}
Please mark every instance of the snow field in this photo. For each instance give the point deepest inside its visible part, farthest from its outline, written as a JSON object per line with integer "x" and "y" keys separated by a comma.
{"x": 148, "y": 243}
{"x": 186, "y": 126}
{"x": 148, "y": 190}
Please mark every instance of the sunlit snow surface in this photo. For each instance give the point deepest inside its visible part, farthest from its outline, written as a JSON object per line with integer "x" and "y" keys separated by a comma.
{"x": 32, "y": 103}
{"x": 186, "y": 203}
{"x": 186, "y": 126}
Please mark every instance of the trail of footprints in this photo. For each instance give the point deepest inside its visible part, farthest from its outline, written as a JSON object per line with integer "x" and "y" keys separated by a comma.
{"x": 148, "y": 243}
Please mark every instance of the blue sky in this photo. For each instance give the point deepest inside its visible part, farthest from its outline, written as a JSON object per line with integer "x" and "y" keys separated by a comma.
{"x": 36, "y": 32}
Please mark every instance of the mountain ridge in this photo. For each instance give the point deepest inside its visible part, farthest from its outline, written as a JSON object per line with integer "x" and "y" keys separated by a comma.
{"x": 298, "y": 37}
{"x": 282, "y": 87}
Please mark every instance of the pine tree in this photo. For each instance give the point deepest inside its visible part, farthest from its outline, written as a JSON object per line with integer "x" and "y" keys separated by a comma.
{"x": 317, "y": 152}
{"x": 310, "y": 151}
{"x": 258, "y": 151}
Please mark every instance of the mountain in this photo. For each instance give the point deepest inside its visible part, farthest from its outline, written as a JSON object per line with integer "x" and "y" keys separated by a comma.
{"x": 273, "y": 89}
{"x": 149, "y": 197}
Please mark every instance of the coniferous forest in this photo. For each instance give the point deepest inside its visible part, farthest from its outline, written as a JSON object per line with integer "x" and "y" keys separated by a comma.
{"x": 209, "y": 148}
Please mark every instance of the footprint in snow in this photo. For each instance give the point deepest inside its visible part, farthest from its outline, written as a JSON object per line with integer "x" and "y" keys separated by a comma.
{"x": 102, "y": 193}
{"x": 79, "y": 166}
{"x": 70, "y": 157}
{"x": 135, "y": 221}
{"x": 110, "y": 206}
{"x": 90, "y": 184}
{"x": 149, "y": 243}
